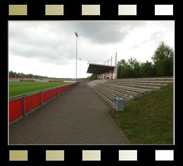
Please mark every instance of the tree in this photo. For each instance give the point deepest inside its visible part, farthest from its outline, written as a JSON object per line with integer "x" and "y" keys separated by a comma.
{"x": 122, "y": 67}
{"x": 11, "y": 74}
{"x": 135, "y": 68}
{"x": 128, "y": 69}
{"x": 147, "y": 70}
{"x": 93, "y": 77}
{"x": 163, "y": 60}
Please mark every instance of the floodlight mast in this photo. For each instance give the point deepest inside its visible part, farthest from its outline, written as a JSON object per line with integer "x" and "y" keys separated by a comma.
{"x": 76, "y": 53}
{"x": 80, "y": 68}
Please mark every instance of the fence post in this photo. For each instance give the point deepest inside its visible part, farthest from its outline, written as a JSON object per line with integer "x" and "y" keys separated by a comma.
{"x": 50, "y": 94}
{"x": 30, "y": 102}
{"x": 20, "y": 106}
{"x": 23, "y": 105}
{"x": 41, "y": 97}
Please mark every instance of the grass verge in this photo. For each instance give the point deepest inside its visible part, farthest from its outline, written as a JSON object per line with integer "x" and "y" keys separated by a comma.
{"x": 149, "y": 119}
{"x": 18, "y": 88}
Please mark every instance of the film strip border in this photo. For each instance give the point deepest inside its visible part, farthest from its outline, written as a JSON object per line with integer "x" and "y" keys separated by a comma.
{"x": 48, "y": 9}
{"x": 91, "y": 10}
{"x": 90, "y": 155}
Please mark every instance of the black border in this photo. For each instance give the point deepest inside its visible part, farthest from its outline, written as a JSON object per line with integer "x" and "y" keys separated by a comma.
{"x": 73, "y": 154}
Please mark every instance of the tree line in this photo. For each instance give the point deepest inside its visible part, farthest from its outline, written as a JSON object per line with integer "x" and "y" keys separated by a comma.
{"x": 161, "y": 65}
{"x": 22, "y": 75}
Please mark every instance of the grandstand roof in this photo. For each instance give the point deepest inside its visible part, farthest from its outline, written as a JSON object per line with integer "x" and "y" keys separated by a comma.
{"x": 99, "y": 68}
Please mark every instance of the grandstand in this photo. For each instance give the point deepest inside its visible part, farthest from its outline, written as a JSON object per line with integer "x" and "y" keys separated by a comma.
{"x": 103, "y": 71}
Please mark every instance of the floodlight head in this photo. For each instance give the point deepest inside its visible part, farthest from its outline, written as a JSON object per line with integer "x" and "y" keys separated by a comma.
{"x": 76, "y": 34}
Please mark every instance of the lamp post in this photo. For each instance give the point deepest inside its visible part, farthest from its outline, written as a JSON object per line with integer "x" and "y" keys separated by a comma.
{"x": 80, "y": 68}
{"x": 76, "y": 53}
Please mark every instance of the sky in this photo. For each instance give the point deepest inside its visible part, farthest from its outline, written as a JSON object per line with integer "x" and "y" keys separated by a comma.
{"x": 48, "y": 48}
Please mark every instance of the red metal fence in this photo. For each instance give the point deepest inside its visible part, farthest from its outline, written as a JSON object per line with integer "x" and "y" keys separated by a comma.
{"x": 21, "y": 105}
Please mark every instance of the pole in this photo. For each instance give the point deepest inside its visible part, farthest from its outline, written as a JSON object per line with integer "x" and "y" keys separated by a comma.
{"x": 76, "y": 57}
{"x": 76, "y": 54}
{"x": 80, "y": 68}
{"x": 116, "y": 67}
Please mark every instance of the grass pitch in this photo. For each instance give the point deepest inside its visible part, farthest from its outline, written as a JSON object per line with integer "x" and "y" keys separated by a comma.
{"x": 19, "y": 88}
{"x": 148, "y": 119}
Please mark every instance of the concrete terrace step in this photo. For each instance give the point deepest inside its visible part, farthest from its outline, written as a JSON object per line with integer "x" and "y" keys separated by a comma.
{"x": 128, "y": 88}
{"x": 140, "y": 85}
{"x": 104, "y": 97}
{"x": 122, "y": 91}
{"x": 132, "y": 89}
{"x": 145, "y": 79}
{"x": 115, "y": 94}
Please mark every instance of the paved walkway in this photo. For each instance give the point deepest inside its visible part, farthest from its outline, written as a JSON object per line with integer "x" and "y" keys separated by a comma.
{"x": 79, "y": 116}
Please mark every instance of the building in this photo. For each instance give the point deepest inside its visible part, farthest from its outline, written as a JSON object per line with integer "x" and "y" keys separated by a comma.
{"x": 104, "y": 72}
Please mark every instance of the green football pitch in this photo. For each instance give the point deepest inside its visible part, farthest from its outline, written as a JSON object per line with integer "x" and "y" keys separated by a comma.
{"x": 18, "y": 88}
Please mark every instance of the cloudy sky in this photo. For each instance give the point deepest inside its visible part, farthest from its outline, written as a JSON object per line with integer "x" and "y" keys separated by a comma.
{"x": 48, "y": 48}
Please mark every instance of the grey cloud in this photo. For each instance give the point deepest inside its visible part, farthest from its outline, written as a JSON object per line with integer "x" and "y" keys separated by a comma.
{"x": 29, "y": 37}
{"x": 103, "y": 32}
{"x": 96, "y": 32}
{"x": 153, "y": 38}
{"x": 50, "y": 55}
{"x": 156, "y": 36}
{"x": 54, "y": 42}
